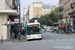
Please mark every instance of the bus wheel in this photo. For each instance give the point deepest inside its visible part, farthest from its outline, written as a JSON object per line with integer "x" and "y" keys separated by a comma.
{"x": 40, "y": 38}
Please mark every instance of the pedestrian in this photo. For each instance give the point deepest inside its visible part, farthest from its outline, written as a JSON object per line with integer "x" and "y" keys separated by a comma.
{"x": 21, "y": 33}
{"x": 17, "y": 33}
{"x": 70, "y": 31}
{"x": 24, "y": 32}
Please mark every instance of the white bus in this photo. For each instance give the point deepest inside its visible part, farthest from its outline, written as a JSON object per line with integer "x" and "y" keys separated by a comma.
{"x": 33, "y": 30}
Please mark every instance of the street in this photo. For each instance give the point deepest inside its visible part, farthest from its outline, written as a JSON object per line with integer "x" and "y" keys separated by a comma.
{"x": 50, "y": 41}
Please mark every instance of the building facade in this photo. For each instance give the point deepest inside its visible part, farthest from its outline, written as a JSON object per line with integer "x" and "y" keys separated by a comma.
{"x": 8, "y": 10}
{"x": 47, "y": 8}
{"x": 26, "y": 17}
{"x": 35, "y": 9}
{"x": 66, "y": 7}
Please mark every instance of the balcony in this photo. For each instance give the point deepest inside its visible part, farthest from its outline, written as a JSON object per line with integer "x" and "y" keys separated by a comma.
{"x": 73, "y": 13}
{"x": 60, "y": 16}
{"x": 61, "y": 8}
{"x": 14, "y": 5}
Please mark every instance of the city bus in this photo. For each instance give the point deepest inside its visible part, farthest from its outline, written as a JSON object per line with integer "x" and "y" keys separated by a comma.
{"x": 33, "y": 30}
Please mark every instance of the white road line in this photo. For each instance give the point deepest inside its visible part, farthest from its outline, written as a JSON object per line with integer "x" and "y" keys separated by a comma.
{"x": 58, "y": 40}
{"x": 50, "y": 40}
{"x": 65, "y": 39}
{"x": 72, "y": 39}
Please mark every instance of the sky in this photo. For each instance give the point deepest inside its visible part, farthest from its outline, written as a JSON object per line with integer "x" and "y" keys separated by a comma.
{"x": 26, "y": 3}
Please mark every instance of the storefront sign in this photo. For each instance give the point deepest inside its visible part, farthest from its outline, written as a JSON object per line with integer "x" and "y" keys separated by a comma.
{"x": 71, "y": 23}
{"x": 64, "y": 20}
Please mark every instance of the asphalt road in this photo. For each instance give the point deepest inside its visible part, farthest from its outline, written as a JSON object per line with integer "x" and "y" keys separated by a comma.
{"x": 50, "y": 41}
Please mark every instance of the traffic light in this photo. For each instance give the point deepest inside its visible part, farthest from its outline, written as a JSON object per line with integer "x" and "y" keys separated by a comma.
{"x": 71, "y": 19}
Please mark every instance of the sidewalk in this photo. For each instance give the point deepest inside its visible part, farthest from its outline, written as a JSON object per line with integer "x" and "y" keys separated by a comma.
{"x": 63, "y": 33}
{"x": 13, "y": 40}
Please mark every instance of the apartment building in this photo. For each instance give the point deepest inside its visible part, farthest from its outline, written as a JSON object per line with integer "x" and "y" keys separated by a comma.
{"x": 66, "y": 8}
{"x": 47, "y": 8}
{"x": 8, "y": 10}
{"x": 35, "y": 9}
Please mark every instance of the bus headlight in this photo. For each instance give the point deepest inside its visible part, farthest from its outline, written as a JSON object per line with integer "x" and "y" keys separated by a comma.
{"x": 39, "y": 35}
{"x": 28, "y": 36}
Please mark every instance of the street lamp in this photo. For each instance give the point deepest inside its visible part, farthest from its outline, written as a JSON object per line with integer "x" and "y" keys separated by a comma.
{"x": 23, "y": 11}
{"x": 66, "y": 22}
{"x": 23, "y": 14}
{"x": 19, "y": 12}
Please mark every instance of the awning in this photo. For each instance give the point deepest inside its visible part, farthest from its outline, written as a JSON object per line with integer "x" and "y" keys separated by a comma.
{"x": 13, "y": 16}
{"x": 10, "y": 12}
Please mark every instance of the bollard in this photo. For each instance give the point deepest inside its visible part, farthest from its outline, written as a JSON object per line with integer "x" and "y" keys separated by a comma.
{"x": 1, "y": 39}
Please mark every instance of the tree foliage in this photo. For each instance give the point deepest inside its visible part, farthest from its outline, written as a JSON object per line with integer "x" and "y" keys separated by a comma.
{"x": 49, "y": 19}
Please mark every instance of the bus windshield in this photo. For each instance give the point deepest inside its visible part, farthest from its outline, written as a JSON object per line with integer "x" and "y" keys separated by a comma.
{"x": 33, "y": 30}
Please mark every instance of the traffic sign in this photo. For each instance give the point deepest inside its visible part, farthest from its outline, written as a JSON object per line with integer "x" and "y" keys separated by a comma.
{"x": 71, "y": 23}
{"x": 5, "y": 24}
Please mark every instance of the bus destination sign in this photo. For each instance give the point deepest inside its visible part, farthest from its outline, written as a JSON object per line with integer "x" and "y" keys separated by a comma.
{"x": 33, "y": 25}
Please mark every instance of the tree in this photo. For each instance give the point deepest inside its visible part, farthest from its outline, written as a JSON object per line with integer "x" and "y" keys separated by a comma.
{"x": 49, "y": 19}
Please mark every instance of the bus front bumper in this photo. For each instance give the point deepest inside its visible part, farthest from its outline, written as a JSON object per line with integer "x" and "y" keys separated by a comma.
{"x": 34, "y": 37}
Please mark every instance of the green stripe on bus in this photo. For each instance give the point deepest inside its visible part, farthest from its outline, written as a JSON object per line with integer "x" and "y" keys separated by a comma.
{"x": 39, "y": 29}
{"x": 26, "y": 30}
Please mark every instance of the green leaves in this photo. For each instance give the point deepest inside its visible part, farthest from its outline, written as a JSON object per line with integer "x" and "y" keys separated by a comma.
{"x": 49, "y": 19}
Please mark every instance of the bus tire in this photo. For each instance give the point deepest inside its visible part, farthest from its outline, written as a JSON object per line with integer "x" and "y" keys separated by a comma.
{"x": 28, "y": 40}
{"x": 40, "y": 38}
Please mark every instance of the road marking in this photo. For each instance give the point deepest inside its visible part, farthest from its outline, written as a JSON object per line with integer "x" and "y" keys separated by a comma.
{"x": 72, "y": 39}
{"x": 65, "y": 39}
{"x": 50, "y": 40}
{"x": 58, "y": 40}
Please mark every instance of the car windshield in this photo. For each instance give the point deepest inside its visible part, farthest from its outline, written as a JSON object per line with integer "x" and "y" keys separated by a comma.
{"x": 33, "y": 30}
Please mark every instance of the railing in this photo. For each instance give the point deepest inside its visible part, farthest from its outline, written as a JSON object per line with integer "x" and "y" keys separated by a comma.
{"x": 61, "y": 8}
{"x": 14, "y": 4}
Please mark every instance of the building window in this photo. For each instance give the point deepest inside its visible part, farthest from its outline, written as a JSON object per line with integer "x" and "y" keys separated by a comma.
{"x": 45, "y": 11}
{"x": 3, "y": 18}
